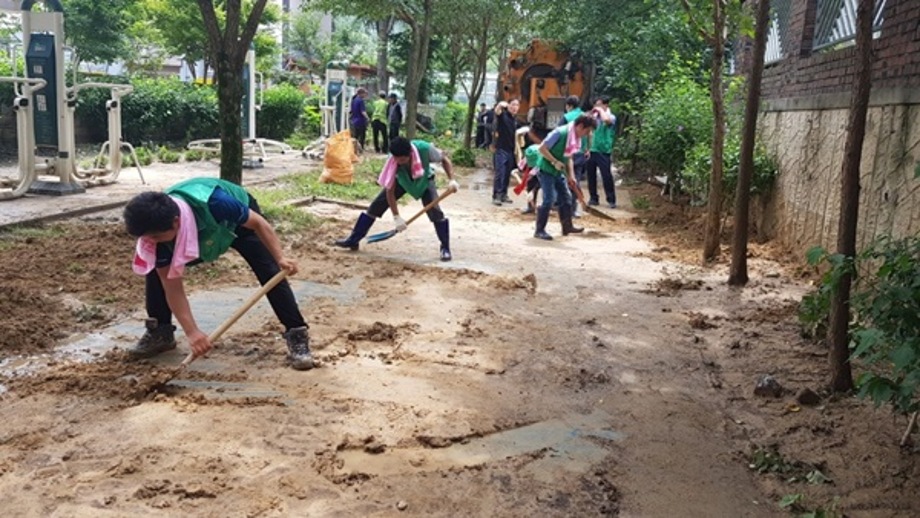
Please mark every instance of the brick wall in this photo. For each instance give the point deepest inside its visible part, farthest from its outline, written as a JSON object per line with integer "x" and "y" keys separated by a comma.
{"x": 803, "y": 124}
{"x": 804, "y": 73}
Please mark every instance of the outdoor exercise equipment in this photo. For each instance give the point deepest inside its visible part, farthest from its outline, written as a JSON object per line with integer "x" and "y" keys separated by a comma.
{"x": 44, "y": 107}
{"x": 255, "y": 149}
{"x": 335, "y": 109}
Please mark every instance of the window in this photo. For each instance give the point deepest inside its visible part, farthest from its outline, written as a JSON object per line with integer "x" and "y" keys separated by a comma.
{"x": 778, "y": 32}
{"x": 835, "y": 23}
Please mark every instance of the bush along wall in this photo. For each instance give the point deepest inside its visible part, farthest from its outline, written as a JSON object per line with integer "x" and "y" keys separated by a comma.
{"x": 157, "y": 111}
{"x": 282, "y": 109}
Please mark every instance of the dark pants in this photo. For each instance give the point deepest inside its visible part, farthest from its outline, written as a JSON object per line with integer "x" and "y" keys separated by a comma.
{"x": 503, "y": 161}
{"x": 250, "y": 247}
{"x": 380, "y": 130}
{"x": 394, "y": 130}
{"x": 600, "y": 161}
{"x": 360, "y": 134}
{"x": 480, "y": 136}
{"x": 380, "y": 205}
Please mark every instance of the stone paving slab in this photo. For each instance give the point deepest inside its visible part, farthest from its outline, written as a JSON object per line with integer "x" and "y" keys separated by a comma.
{"x": 37, "y": 208}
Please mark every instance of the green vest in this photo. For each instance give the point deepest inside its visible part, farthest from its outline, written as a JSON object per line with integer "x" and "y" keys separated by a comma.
{"x": 416, "y": 187}
{"x": 558, "y": 151}
{"x": 570, "y": 117}
{"x": 380, "y": 110}
{"x": 214, "y": 238}
{"x": 604, "y": 137}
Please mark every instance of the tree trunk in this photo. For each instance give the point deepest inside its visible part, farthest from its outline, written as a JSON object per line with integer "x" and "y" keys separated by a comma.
{"x": 838, "y": 327}
{"x": 738, "y": 274}
{"x": 714, "y": 208}
{"x": 480, "y": 67}
{"x": 418, "y": 63}
{"x": 383, "y": 40}
{"x": 192, "y": 70}
{"x": 228, "y": 49}
{"x": 229, "y": 100}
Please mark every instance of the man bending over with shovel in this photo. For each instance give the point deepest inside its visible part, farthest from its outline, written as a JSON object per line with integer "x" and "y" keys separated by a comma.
{"x": 407, "y": 170}
{"x": 196, "y": 221}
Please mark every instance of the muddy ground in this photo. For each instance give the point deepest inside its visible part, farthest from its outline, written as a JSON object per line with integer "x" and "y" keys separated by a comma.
{"x": 596, "y": 375}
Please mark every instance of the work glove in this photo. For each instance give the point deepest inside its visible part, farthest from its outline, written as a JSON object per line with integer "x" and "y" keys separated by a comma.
{"x": 453, "y": 185}
{"x": 400, "y": 223}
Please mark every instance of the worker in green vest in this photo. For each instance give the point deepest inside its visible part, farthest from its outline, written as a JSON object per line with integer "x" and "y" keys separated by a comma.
{"x": 407, "y": 170}
{"x": 601, "y": 149}
{"x": 573, "y": 111}
{"x": 557, "y": 172}
{"x": 197, "y": 221}
{"x": 379, "y": 123}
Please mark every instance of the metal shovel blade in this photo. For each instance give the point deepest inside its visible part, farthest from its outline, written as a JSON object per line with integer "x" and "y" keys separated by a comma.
{"x": 382, "y": 236}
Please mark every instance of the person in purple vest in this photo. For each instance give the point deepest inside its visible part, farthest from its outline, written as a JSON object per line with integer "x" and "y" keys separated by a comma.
{"x": 359, "y": 119}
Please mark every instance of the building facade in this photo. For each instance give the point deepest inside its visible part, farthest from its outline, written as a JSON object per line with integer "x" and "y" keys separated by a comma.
{"x": 806, "y": 101}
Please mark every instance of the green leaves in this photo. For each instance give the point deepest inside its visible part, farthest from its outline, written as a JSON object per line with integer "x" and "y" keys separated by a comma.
{"x": 885, "y": 331}
{"x": 98, "y": 30}
{"x": 677, "y": 115}
{"x": 815, "y": 255}
{"x": 282, "y": 107}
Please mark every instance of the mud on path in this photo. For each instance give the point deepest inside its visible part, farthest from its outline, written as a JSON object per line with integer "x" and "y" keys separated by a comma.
{"x": 588, "y": 376}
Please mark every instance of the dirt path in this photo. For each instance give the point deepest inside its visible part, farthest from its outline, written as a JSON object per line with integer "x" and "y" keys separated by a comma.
{"x": 578, "y": 377}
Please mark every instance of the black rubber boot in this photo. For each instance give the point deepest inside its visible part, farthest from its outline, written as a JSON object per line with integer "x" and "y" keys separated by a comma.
{"x": 443, "y": 229}
{"x": 363, "y": 224}
{"x": 565, "y": 215}
{"x": 542, "y": 218}
{"x": 298, "y": 344}
{"x": 157, "y": 339}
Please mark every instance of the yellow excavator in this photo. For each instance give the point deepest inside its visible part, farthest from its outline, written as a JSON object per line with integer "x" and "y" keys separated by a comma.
{"x": 542, "y": 76}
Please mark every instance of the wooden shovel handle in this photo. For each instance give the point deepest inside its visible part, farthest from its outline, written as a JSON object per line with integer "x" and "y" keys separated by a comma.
{"x": 428, "y": 207}
{"x": 274, "y": 281}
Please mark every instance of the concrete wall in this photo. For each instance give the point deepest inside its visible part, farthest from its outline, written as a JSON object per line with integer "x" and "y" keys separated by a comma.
{"x": 806, "y": 105}
{"x": 809, "y": 144}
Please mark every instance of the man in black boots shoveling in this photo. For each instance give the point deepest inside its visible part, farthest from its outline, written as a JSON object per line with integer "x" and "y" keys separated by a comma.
{"x": 556, "y": 168}
{"x": 407, "y": 170}
{"x": 196, "y": 221}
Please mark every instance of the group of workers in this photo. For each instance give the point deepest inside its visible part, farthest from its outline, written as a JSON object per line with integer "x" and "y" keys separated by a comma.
{"x": 199, "y": 219}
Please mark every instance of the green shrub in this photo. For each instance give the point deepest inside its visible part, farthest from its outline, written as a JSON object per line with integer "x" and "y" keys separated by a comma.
{"x": 158, "y": 110}
{"x": 282, "y": 107}
{"x": 6, "y": 89}
{"x": 676, "y": 116}
{"x": 885, "y": 332}
{"x": 885, "y": 325}
{"x": 698, "y": 168}
{"x": 168, "y": 156}
{"x": 144, "y": 157}
{"x": 194, "y": 155}
{"x": 311, "y": 122}
{"x": 451, "y": 117}
{"x": 815, "y": 306}
{"x": 463, "y": 157}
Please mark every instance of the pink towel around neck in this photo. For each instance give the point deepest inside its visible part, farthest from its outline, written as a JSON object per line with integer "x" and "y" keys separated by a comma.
{"x": 186, "y": 250}
{"x": 388, "y": 173}
{"x": 573, "y": 142}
